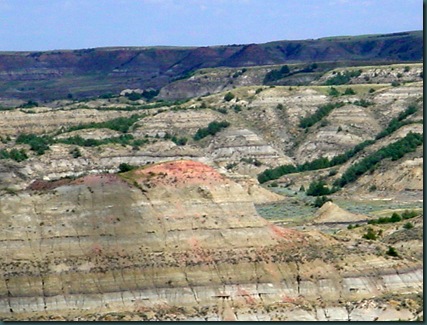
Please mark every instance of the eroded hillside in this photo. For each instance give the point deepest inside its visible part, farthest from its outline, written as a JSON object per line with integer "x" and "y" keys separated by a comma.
{"x": 122, "y": 208}
{"x": 178, "y": 240}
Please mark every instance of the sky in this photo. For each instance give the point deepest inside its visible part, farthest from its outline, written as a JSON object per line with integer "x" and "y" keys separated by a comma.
{"x": 38, "y": 25}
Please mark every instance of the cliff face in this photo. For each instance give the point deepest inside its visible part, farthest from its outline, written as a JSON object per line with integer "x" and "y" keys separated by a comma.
{"x": 93, "y": 72}
{"x": 180, "y": 238}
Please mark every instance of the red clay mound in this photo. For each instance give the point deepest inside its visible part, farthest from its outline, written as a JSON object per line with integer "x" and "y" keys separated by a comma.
{"x": 178, "y": 172}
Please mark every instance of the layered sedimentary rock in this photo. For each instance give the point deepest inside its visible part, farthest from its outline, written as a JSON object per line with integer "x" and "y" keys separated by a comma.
{"x": 181, "y": 238}
{"x": 234, "y": 144}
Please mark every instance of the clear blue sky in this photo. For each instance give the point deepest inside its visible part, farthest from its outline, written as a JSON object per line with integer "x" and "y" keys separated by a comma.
{"x": 76, "y": 24}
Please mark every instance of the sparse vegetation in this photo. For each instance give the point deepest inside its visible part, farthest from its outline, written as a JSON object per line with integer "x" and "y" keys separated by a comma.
{"x": 121, "y": 124}
{"x": 343, "y": 78}
{"x": 14, "y": 154}
{"x": 276, "y": 74}
{"x": 38, "y": 144}
{"x": 123, "y": 139}
{"x": 395, "y": 217}
{"x": 180, "y": 141}
{"x": 252, "y": 161}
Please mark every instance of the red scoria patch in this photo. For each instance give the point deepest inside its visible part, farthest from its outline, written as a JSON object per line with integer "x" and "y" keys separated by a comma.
{"x": 179, "y": 172}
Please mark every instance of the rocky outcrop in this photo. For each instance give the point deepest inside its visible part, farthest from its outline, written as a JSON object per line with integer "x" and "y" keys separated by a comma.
{"x": 184, "y": 122}
{"x": 176, "y": 237}
{"x": 236, "y": 144}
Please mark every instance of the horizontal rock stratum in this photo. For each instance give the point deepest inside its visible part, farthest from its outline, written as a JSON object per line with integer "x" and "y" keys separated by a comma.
{"x": 178, "y": 240}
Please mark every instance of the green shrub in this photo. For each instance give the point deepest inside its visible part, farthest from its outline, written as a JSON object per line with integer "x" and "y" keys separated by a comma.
{"x": 320, "y": 200}
{"x": 124, "y": 167}
{"x": 276, "y": 74}
{"x": 38, "y": 144}
{"x": 408, "y": 225}
{"x": 30, "y": 104}
{"x": 105, "y": 96}
{"x": 237, "y": 108}
{"x": 392, "y": 251}
{"x": 182, "y": 141}
{"x": 14, "y": 154}
{"x": 123, "y": 139}
{"x": 409, "y": 214}
{"x": 276, "y": 173}
{"x": 394, "y": 151}
{"x": 320, "y": 113}
{"x": 395, "y": 217}
{"x": 363, "y": 102}
{"x": 76, "y": 153}
{"x": 121, "y": 124}
{"x": 252, "y": 161}
{"x": 150, "y": 94}
{"x": 333, "y": 92}
{"x": 349, "y": 91}
{"x": 318, "y": 188}
{"x": 333, "y": 172}
{"x": 230, "y": 166}
{"x": 228, "y": 96}
{"x": 397, "y": 122}
{"x": 372, "y": 188}
{"x": 213, "y": 128}
{"x": 370, "y": 234}
{"x": 133, "y": 96}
